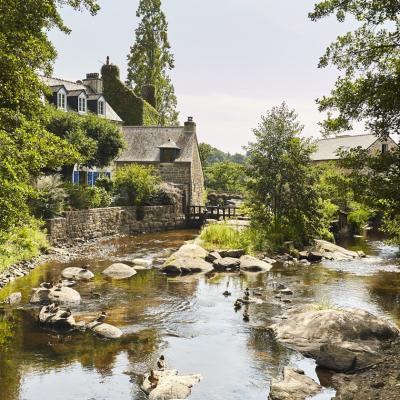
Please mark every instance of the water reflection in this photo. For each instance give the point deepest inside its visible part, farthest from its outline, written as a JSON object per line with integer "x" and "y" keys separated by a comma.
{"x": 187, "y": 319}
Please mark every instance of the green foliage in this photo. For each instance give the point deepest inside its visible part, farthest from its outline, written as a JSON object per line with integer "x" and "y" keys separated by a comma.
{"x": 370, "y": 61}
{"x": 106, "y": 183}
{"x": 84, "y": 197}
{"x": 97, "y": 140}
{"x": 282, "y": 192}
{"x": 359, "y": 216}
{"x": 50, "y": 200}
{"x": 132, "y": 109}
{"x": 150, "y": 59}
{"x": 210, "y": 155}
{"x": 224, "y": 237}
{"x": 226, "y": 177}
{"x": 135, "y": 184}
{"x": 25, "y": 146}
{"x": 21, "y": 243}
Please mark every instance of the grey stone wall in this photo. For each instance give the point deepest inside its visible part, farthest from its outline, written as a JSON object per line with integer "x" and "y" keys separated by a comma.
{"x": 102, "y": 222}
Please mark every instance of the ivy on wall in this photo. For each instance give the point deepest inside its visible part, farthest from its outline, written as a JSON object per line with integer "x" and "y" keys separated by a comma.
{"x": 131, "y": 108}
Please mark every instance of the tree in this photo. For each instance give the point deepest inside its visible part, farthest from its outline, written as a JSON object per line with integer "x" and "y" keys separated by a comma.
{"x": 282, "y": 196}
{"x": 225, "y": 176}
{"x": 150, "y": 59}
{"x": 210, "y": 155}
{"x": 97, "y": 140}
{"x": 25, "y": 145}
{"x": 370, "y": 59}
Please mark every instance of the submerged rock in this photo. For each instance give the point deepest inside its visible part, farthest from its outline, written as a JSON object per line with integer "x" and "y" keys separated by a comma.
{"x": 119, "y": 271}
{"x": 339, "y": 339}
{"x": 13, "y": 298}
{"x": 77, "y": 273}
{"x": 168, "y": 385}
{"x": 56, "y": 317}
{"x": 57, "y": 294}
{"x": 294, "y": 386}
{"x": 105, "y": 330}
{"x": 252, "y": 264}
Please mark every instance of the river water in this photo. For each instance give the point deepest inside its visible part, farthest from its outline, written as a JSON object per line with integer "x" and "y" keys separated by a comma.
{"x": 186, "y": 319}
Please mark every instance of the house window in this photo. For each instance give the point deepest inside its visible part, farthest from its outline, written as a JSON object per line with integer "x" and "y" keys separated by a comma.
{"x": 385, "y": 148}
{"x": 101, "y": 107}
{"x": 75, "y": 178}
{"x": 168, "y": 155}
{"x": 81, "y": 104}
{"x": 61, "y": 103}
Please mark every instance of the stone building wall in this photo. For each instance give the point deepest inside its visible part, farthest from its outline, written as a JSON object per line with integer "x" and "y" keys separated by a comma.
{"x": 197, "y": 184}
{"x": 102, "y": 222}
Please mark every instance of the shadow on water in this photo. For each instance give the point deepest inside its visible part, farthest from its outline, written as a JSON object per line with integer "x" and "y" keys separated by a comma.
{"x": 187, "y": 319}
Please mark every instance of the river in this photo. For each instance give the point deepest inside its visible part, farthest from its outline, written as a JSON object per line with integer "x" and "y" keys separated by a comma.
{"x": 186, "y": 319}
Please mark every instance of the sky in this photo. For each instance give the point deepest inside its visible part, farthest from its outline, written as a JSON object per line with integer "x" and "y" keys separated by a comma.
{"x": 234, "y": 59}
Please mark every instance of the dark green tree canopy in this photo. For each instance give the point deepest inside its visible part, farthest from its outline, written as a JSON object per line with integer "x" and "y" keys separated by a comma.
{"x": 369, "y": 58}
{"x": 150, "y": 59}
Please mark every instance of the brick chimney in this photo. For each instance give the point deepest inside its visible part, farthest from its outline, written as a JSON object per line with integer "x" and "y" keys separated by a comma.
{"x": 190, "y": 126}
{"x": 94, "y": 81}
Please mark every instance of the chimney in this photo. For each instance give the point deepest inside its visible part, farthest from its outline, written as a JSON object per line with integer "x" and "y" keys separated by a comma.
{"x": 94, "y": 81}
{"x": 149, "y": 94}
{"x": 190, "y": 126}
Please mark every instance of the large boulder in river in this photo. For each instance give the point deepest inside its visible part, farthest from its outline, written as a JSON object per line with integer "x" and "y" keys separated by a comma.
{"x": 56, "y": 317}
{"x": 252, "y": 264}
{"x": 332, "y": 251}
{"x": 57, "y": 294}
{"x": 168, "y": 385}
{"x": 189, "y": 259}
{"x": 76, "y": 273}
{"x": 105, "y": 330}
{"x": 339, "y": 339}
{"x": 294, "y": 386}
{"x": 119, "y": 271}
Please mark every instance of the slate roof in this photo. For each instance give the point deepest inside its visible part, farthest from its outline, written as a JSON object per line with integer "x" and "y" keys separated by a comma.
{"x": 75, "y": 87}
{"x": 327, "y": 148}
{"x": 143, "y": 143}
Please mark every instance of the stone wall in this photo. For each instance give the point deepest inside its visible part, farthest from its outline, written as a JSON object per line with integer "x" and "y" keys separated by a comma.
{"x": 101, "y": 222}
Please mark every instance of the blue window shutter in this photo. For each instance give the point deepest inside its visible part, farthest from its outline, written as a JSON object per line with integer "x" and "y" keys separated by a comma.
{"x": 95, "y": 176}
{"x": 75, "y": 178}
{"x": 90, "y": 178}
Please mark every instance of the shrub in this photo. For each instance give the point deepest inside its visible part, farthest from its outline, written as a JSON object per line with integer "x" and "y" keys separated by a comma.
{"x": 84, "y": 197}
{"x": 359, "y": 216}
{"x": 106, "y": 183}
{"x": 50, "y": 199}
{"x": 22, "y": 243}
{"x": 135, "y": 184}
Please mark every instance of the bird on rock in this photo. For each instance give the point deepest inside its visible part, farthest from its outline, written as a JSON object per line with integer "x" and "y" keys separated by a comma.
{"x": 161, "y": 363}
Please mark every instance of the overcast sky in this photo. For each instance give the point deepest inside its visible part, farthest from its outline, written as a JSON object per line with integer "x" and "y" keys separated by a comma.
{"x": 235, "y": 59}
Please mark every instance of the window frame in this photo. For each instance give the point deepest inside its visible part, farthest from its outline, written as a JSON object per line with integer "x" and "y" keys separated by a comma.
{"x": 82, "y": 104}
{"x": 384, "y": 148}
{"x": 101, "y": 106}
{"x": 62, "y": 100}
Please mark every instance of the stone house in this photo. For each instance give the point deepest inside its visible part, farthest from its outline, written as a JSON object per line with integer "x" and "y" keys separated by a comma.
{"x": 173, "y": 152}
{"x": 82, "y": 97}
{"x": 327, "y": 148}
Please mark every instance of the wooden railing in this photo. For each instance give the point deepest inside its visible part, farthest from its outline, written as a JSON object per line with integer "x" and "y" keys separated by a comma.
{"x": 201, "y": 213}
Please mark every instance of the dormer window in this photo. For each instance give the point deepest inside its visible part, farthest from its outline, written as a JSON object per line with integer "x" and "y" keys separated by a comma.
{"x": 169, "y": 152}
{"x": 82, "y": 104}
{"x": 62, "y": 100}
{"x": 100, "y": 107}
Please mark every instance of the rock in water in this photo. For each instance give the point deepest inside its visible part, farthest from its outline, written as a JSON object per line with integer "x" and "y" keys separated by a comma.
{"x": 190, "y": 258}
{"x": 77, "y": 273}
{"x": 252, "y": 264}
{"x": 56, "y": 317}
{"x": 227, "y": 263}
{"x": 141, "y": 262}
{"x": 339, "y": 339}
{"x": 13, "y": 298}
{"x": 236, "y": 253}
{"x": 170, "y": 385}
{"x": 294, "y": 386}
{"x": 59, "y": 295}
{"x": 105, "y": 330}
{"x": 332, "y": 251}
{"x": 119, "y": 271}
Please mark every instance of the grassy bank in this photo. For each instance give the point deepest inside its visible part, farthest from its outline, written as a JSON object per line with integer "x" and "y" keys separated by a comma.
{"x": 224, "y": 237}
{"x": 22, "y": 243}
